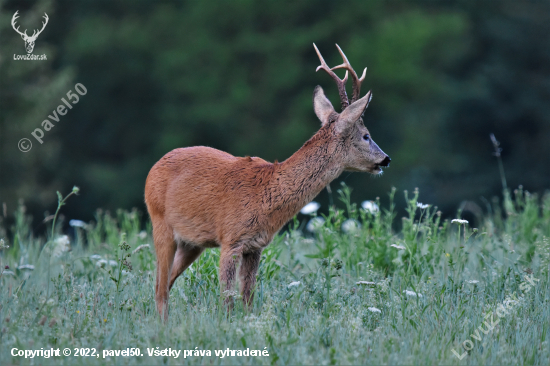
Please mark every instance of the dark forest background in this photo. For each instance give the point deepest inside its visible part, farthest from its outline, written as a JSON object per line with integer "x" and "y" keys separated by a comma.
{"x": 239, "y": 76}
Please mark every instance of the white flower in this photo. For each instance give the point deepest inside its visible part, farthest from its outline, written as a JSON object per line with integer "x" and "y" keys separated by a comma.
{"x": 400, "y": 247}
{"x": 374, "y": 310}
{"x": 61, "y": 245}
{"x": 411, "y": 293}
{"x": 294, "y": 284}
{"x": 473, "y": 281}
{"x": 370, "y": 206}
{"x": 365, "y": 283}
{"x": 310, "y": 208}
{"x": 7, "y": 272}
{"x": 3, "y": 244}
{"x": 141, "y": 247}
{"x": 101, "y": 263}
{"x": 351, "y": 226}
{"x": 78, "y": 223}
{"x": 95, "y": 257}
{"x": 142, "y": 234}
{"x": 113, "y": 263}
{"x": 421, "y": 205}
{"x": 459, "y": 221}
{"x": 315, "y": 224}
{"x": 27, "y": 266}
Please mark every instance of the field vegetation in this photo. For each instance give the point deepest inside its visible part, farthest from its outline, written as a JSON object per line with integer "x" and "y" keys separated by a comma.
{"x": 361, "y": 285}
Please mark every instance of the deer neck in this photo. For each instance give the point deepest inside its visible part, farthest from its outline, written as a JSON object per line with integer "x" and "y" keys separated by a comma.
{"x": 304, "y": 175}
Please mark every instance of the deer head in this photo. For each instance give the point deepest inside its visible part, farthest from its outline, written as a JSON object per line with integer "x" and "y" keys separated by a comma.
{"x": 362, "y": 152}
{"x": 29, "y": 41}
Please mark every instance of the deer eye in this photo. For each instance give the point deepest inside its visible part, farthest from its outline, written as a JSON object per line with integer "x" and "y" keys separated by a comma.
{"x": 366, "y": 137}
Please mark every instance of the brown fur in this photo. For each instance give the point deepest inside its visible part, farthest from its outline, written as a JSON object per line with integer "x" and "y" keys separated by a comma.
{"x": 200, "y": 197}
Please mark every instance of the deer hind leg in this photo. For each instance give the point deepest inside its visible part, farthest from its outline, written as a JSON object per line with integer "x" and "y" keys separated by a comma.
{"x": 165, "y": 247}
{"x": 229, "y": 257}
{"x": 247, "y": 275}
{"x": 186, "y": 254}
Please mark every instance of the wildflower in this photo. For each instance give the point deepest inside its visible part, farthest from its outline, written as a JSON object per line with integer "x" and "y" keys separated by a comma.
{"x": 370, "y": 206}
{"x": 113, "y": 263}
{"x": 141, "y": 247}
{"x": 78, "y": 311}
{"x": 3, "y": 245}
{"x": 411, "y": 293}
{"x": 104, "y": 320}
{"x": 294, "y": 284}
{"x": 447, "y": 255}
{"x": 310, "y": 208}
{"x": 62, "y": 244}
{"x": 127, "y": 265}
{"x": 459, "y": 221}
{"x": 315, "y": 224}
{"x": 350, "y": 226}
{"x": 27, "y": 266}
{"x": 142, "y": 234}
{"x": 95, "y": 257}
{"x": 422, "y": 206}
{"x": 76, "y": 190}
{"x": 123, "y": 244}
{"x": 400, "y": 247}
{"x": 9, "y": 273}
{"x": 374, "y": 310}
{"x": 78, "y": 223}
{"x": 473, "y": 281}
{"x": 101, "y": 263}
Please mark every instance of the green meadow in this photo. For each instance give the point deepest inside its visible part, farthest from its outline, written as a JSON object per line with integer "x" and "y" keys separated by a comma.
{"x": 361, "y": 284}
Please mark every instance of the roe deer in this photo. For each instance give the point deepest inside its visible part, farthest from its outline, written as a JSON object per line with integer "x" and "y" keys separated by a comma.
{"x": 199, "y": 197}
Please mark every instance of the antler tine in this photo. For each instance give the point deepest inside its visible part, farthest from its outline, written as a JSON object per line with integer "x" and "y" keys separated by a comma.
{"x": 357, "y": 81}
{"x": 43, "y": 24}
{"x": 340, "y": 83}
{"x": 15, "y": 16}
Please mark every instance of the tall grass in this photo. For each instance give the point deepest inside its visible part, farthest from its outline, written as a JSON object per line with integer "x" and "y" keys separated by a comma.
{"x": 353, "y": 291}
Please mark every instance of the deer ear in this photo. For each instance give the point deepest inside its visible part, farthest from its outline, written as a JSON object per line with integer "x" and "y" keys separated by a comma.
{"x": 353, "y": 112}
{"x": 321, "y": 105}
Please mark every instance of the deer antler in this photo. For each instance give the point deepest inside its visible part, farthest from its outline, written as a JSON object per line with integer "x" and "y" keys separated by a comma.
{"x": 356, "y": 80}
{"x": 15, "y": 16}
{"x": 43, "y": 26}
{"x": 340, "y": 83}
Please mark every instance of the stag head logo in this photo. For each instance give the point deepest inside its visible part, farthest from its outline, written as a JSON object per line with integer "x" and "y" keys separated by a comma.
{"x": 29, "y": 41}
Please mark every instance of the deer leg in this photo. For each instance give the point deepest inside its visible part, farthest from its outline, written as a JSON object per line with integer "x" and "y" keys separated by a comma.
{"x": 186, "y": 254}
{"x": 229, "y": 258}
{"x": 165, "y": 247}
{"x": 247, "y": 275}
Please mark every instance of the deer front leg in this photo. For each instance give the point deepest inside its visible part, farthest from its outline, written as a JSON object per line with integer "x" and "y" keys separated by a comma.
{"x": 247, "y": 275}
{"x": 229, "y": 258}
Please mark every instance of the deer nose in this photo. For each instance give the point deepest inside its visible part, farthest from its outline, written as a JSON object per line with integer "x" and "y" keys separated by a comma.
{"x": 386, "y": 161}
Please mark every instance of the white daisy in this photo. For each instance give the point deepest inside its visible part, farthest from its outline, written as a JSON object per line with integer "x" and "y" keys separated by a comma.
{"x": 310, "y": 208}
{"x": 370, "y": 206}
{"x": 315, "y": 224}
{"x": 350, "y": 226}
